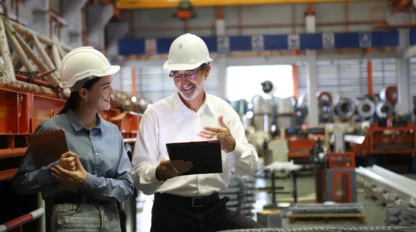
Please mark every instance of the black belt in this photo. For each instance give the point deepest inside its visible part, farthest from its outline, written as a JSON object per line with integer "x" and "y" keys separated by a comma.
{"x": 75, "y": 199}
{"x": 191, "y": 202}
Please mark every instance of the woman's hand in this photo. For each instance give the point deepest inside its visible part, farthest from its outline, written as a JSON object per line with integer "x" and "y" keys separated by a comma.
{"x": 74, "y": 178}
{"x": 67, "y": 161}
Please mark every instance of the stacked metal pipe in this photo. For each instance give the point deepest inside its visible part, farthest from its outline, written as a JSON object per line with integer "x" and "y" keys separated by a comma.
{"x": 400, "y": 216}
{"x": 387, "y": 186}
{"x": 326, "y": 208}
{"x": 241, "y": 194}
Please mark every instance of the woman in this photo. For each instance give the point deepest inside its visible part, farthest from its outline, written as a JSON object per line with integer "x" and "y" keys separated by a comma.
{"x": 81, "y": 189}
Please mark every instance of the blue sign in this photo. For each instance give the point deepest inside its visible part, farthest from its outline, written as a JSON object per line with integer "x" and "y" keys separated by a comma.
{"x": 365, "y": 39}
{"x": 223, "y": 44}
{"x": 328, "y": 40}
{"x": 293, "y": 42}
{"x": 313, "y": 41}
{"x": 257, "y": 43}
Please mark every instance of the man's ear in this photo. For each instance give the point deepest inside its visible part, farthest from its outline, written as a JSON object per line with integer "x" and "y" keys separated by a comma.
{"x": 207, "y": 70}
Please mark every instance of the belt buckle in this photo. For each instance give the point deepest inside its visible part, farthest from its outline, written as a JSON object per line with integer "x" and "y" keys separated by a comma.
{"x": 193, "y": 202}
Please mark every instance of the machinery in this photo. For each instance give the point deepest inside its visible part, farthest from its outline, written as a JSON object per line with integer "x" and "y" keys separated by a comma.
{"x": 391, "y": 141}
{"x": 334, "y": 175}
{"x": 302, "y": 142}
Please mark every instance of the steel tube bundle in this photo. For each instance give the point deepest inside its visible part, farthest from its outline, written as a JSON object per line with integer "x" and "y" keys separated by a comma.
{"x": 324, "y": 208}
{"x": 396, "y": 185}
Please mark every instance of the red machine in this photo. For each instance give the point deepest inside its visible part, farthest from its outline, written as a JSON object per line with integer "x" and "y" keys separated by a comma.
{"x": 341, "y": 177}
{"x": 336, "y": 183}
{"x": 300, "y": 148}
{"x": 387, "y": 140}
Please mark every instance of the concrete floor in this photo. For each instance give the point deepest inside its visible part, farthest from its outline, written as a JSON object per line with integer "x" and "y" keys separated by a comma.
{"x": 306, "y": 188}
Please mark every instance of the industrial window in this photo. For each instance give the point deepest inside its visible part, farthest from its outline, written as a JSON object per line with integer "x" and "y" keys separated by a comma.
{"x": 244, "y": 82}
{"x": 348, "y": 78}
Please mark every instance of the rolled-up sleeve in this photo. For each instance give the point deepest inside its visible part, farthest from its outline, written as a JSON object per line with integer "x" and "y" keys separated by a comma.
{"x": 29, "y": 179}
{"x": 118, "y": 188}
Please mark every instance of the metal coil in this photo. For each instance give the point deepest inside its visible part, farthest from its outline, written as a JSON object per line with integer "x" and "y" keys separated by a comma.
{"x": 345, "y": 108}
{"x": 366, "y": 108}
{"x": 325, "y": 110}
{"x": 384, "y": 109}
{"x": 389, "y": 94}
{"x": 325, "y": 96}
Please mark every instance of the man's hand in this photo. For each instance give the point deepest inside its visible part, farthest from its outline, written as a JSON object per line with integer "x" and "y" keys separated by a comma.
{"x": 223, "y": 135}
{"x": 170, "y": 168}
{"x": 74, "y": 178}
{"x": 67, "y": 161}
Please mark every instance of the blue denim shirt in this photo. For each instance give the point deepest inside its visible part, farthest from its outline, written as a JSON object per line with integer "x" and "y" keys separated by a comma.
{"x": 101, "y": 152}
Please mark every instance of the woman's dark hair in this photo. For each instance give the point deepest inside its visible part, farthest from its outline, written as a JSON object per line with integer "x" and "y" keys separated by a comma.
{"x": 72, "y": 101}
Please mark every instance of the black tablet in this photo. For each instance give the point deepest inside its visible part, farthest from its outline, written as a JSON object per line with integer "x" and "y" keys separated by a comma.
{"x": 205, "y": 156}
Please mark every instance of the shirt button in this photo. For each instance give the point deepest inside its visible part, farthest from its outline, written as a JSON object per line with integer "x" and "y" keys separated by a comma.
{"x": 96, "y": 153}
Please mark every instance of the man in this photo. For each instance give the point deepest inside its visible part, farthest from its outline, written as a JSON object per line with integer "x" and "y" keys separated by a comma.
{"x": 190, "y": 202}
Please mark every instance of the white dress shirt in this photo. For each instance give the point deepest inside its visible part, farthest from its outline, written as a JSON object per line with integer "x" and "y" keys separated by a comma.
{"x": 168, "y": 121}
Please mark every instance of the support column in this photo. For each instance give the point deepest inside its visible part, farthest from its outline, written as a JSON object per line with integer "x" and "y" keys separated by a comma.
{"x": 98, "y": 17}
{"x": 40, "y": 16}
{"x": 312, "y": 79}
{"x": 221, "y": 59}
{"x": 222, "y": 76}
{"x": 22, "y": 13}
{"x": 312, "y": 88}
{"x": 114, "y": 32}
{"x": 404, "y": 103}
{"x": 73, "y": 14}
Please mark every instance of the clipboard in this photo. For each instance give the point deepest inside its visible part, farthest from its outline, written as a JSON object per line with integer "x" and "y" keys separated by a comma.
{"x": 47, "y": 147}
{"x": 205, "y": 156}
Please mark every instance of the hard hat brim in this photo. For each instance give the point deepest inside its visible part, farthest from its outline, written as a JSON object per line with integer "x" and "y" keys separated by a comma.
{"x": 109, "y": 71}
{"x": 182, "y": 67}
{"x": 112, "y": 70}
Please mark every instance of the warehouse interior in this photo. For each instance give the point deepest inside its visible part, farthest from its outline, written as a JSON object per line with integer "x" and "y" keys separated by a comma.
{"x": 325, "y": 90}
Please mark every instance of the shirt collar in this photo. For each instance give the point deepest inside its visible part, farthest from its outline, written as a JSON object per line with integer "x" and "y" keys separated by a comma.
{"x": 178, "y": 104}
{"x": 77, "y": 125}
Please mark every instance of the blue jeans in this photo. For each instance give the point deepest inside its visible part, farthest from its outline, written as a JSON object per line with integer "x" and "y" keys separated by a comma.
{"x": 85, "y": 218}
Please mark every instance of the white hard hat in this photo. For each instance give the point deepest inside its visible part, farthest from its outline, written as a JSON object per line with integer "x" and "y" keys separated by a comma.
{"x": 84, "y": 62}
{"x": 187, "y": 52}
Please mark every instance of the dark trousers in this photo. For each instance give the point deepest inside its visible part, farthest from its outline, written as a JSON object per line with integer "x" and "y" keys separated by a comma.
{"x": 176, "y": 213}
